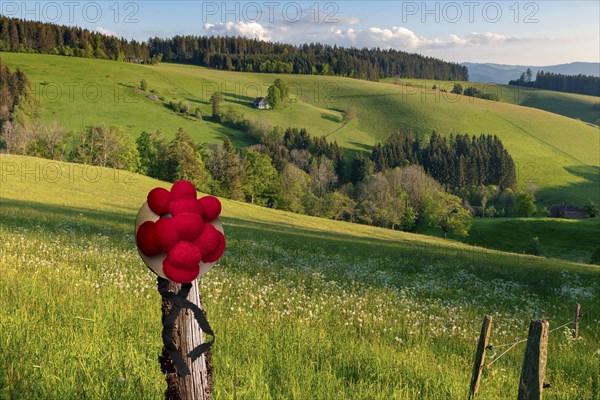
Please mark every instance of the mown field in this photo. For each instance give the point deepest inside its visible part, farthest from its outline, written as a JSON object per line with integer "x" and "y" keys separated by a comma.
{"x": 302, "y": 307}
{"x": 574, "y": 240}
{"x": 559, "y": 155}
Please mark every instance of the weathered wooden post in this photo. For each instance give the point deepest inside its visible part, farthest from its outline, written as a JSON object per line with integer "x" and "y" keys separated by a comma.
{"x": 187, "y": 335}
{"x": 180, "y": 238}
{"x": 531, "y": 383}
{"x": 484, "y": 337}
{"x": 576, "y": 321}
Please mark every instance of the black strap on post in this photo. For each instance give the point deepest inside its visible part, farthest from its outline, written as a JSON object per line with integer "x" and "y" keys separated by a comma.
{"x": 178, "y": 301}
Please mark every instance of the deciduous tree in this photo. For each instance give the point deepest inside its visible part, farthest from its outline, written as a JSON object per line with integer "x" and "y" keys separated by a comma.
{"x": 525, "y": 203}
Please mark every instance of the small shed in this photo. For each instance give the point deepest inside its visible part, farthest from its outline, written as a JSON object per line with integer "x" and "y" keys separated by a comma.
{"x": 261, "y": 103}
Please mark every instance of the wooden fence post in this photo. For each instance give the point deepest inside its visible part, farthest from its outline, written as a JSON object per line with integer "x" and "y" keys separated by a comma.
{"x": 187, "y": 335}
{"x": 484, "y": 336}
{"x": 531, "y": 383}
{"x": 576, "y": 322}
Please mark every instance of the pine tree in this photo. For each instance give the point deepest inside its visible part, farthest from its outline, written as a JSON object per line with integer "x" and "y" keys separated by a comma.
{"x": 361, "y": 168}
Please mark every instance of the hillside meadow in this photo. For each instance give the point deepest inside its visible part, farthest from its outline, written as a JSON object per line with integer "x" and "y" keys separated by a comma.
{"x": 572, "y": 105}
{"x": 568, "y": 239}
{"x": 302, "y": 307}
{"x": 556, "y": 154}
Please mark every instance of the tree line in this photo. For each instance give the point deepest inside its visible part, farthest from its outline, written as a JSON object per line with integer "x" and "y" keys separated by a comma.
{"x": 581, "y": 84}
{"x": 457, "y": 161}
{"x": 22, "y": 36}
{"x": 227, "y": 53}
{"x": 252, "y": 55}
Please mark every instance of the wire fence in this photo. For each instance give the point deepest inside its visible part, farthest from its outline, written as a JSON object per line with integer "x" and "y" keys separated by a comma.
{"x": 514, "y": 344}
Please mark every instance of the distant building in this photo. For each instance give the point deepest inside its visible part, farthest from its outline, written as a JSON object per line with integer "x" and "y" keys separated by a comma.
{"x": 261, "y": 103}
{"x": 570, "y": 211}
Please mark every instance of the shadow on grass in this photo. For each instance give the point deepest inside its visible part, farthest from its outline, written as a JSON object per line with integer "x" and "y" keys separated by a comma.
{"x": 194, "y": 101}
{"x": 578, "y": 192}
{"x": 330, "y": 117}
{"x": 238, "y": 138}
{"x": 363, "y": 147}
{"x": 22, "y": 214}
{"x": 236, "y": 98}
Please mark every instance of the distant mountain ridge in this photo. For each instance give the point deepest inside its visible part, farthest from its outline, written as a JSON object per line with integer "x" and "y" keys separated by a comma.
{"x": 502, "y": 73}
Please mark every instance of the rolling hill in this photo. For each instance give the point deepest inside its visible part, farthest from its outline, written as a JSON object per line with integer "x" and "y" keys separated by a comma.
{"x": 559, "y": 155}
{"x": 574, "y": 240}
{"x": 501, "y": 73}
{"x": 576, "y": 106}
{"x": 302, "y": 307}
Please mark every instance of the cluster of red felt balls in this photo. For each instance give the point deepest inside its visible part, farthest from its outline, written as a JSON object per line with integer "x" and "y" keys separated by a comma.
{"x": 186, "y": 235}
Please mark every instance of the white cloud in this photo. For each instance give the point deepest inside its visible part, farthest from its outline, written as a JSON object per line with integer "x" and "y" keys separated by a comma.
{"x": 396, "y": 37}
{"x": 404, "y": 39}
{"x": 252, "y": 30}
{"x": 103, "y": 31}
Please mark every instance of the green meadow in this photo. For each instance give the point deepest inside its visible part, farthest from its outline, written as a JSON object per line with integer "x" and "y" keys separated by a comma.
{"x": 568, "y": 239}
{"x": 576, "y": 106}
{"x": 302, "y": 307}
{"x": 555, "y": 153}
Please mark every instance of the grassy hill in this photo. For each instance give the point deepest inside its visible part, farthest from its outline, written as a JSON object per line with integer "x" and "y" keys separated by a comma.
{"x": 576, "y": 106}
{"x": 302, "y": 307}
{"x": 574, "y": 240}
{"x": 558, "y": 154}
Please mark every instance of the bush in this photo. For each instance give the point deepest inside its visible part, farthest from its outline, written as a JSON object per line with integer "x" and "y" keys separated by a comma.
{"x": 184, "y": 107}
{"x": 472, "y": 91}
{"x": 350, "y": 114}
{"x": 590, "y": 208}
{"x": 143, "y": 85}
{"x": 535, "y": 247}
{"x": 490, "y": 96}
{"x": 457, "y": 89}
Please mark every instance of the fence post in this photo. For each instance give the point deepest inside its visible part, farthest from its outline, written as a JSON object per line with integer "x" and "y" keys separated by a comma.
{"x": 187, "y": 335}
{"x": 531, "y": 383}
{"x": 576, "y": 322}
{"x": 484, "y": 336}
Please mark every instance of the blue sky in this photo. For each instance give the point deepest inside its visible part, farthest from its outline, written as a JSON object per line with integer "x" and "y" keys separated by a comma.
{"x": 509, "y": 32}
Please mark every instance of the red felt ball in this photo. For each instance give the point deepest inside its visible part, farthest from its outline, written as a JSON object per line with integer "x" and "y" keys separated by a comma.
{"x": 211, "y": 206}
{"x": 189, "y": 225}
{"x": 208, "y": 240}
{"x": 158, "y": 200}
{"x": 185, "y": 255}
{"x": 218, "y": 252}
{"x": 146, "y": 239}
{"x": 177, "y": 207}
{"x": 166, "y": 234}
{"x": 183, "y": 190}
{"x": 179, "y": 275}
